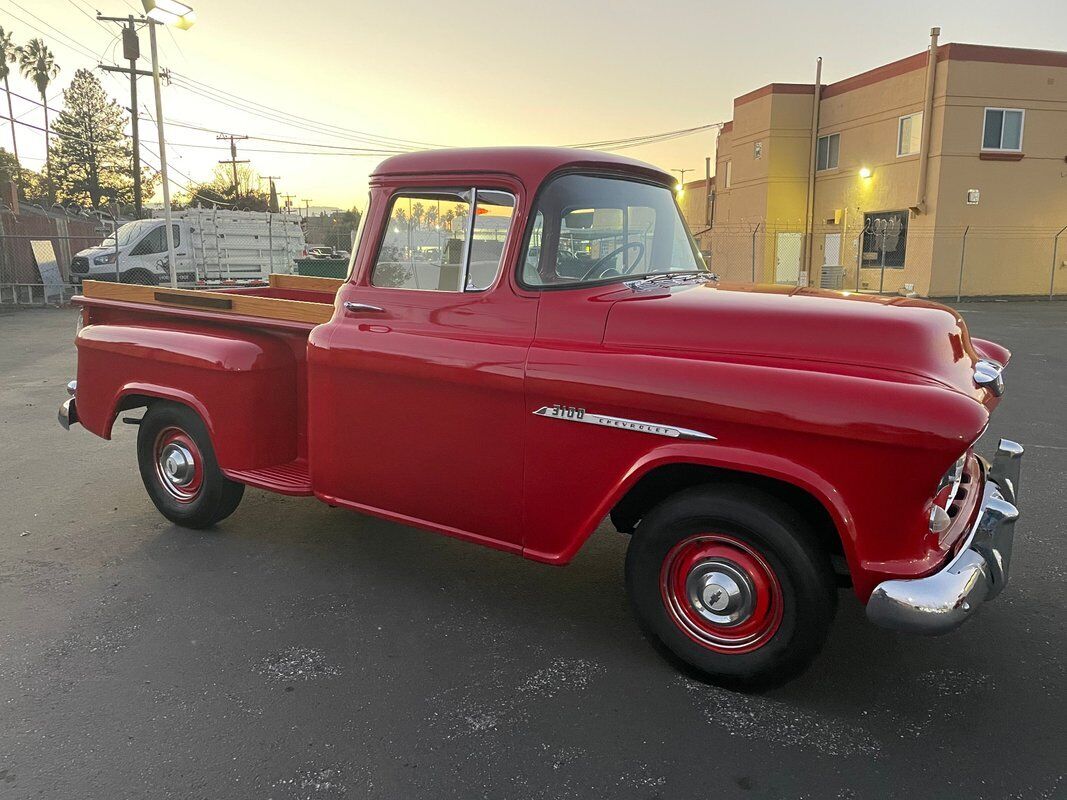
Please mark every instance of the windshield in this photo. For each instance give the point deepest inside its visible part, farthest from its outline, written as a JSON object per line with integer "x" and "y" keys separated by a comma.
{"x": 590, "y": 229}
{"x": 129, "y": 232}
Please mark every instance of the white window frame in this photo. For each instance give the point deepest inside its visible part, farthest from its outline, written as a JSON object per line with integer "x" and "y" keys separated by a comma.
{"x": 1002, "y": 149}
{"x": 827, "y": 136}
{"x": 729, "y": 172}
{"x": 900, "y": 125}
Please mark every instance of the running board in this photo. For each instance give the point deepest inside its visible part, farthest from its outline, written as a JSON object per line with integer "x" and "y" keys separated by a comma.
{"x": 291, "y": 478}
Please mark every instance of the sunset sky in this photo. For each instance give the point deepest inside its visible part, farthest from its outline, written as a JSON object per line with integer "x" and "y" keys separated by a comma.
{"x": 481, "y": 73}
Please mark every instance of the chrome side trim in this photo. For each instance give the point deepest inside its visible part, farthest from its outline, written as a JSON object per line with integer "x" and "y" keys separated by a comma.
{"x": 989, "y": 374}
{"x": 570, "y": 414}
{"x": 941, "y": 602}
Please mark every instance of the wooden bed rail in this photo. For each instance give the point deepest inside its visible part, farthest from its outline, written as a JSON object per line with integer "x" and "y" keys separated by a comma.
{"x": 308, "y": 283}
{"x": 216, "y": 302}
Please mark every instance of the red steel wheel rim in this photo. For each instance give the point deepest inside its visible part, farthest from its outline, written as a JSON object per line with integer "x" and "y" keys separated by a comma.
{"x": 179, "y": 464}
{"x": 722, "y": 593}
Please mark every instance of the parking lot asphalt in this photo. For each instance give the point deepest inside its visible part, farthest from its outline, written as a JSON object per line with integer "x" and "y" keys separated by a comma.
{"x": 299, "y": 651}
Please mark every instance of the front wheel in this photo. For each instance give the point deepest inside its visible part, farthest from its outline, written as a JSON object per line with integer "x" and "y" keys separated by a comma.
{"x": 729, "y": 579}
{"x": 179, "y": 470}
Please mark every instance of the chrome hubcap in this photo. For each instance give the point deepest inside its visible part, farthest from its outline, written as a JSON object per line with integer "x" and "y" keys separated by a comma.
{"x": 177, "y": 465}
{"x": 720, "y": 592}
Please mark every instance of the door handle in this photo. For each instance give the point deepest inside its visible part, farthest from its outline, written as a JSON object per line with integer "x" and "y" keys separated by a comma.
{"x": 363, "y": 308}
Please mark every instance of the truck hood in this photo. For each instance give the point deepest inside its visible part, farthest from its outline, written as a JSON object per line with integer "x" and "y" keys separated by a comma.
{"x": 864, "y": 332}
{"x": 89, "y": 252}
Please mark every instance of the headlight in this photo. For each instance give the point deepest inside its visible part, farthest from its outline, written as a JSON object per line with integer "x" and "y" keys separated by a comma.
{"x": 106, "y": 258}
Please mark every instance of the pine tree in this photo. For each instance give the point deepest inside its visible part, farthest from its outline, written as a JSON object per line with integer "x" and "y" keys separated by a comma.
{"x": 92, "y": 158}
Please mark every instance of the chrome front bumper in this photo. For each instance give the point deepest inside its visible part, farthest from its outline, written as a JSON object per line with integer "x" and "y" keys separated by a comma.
{"x": 941, "y": 602}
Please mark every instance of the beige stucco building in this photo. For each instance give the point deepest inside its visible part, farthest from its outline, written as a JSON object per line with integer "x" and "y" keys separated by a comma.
{"x": 846, "y": 207}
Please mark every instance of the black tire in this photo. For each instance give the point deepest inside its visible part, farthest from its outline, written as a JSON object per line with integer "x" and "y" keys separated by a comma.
{"x": 141, "y": 277}
{"x": 209, "y": 496}
{"x": 786, "y": 584}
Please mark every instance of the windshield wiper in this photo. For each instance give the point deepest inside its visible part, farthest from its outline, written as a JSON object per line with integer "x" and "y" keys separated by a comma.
{"x": 660, "y": 279}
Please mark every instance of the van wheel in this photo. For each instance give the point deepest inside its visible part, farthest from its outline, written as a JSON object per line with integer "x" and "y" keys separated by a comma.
{"x": 141, "y": 277}
{"x": 179, "y": 470}
{"x": 729, "y": 580}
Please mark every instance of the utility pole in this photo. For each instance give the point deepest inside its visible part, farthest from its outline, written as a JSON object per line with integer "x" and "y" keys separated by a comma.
{"x": 272, "y": 190}
{"x": 681, "y": 175}
{"x": 232, "y": 160}
{"x": 288, "y": 202}
{"x": 131, "y": 51}
{"x": 307, "y": 206}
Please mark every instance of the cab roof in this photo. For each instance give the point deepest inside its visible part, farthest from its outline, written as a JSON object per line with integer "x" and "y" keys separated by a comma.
{"x": 529, "y": 164}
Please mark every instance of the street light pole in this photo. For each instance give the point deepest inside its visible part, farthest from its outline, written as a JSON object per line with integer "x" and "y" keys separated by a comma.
{"x": 171, "y": 261}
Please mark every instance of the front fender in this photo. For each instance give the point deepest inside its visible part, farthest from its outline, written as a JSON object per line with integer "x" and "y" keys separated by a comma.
{"x": 701, "y": 454}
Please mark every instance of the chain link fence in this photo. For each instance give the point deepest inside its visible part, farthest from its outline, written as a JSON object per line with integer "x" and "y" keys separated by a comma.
{"x": 888, "y": 257}
{"x": 37, "y": 248}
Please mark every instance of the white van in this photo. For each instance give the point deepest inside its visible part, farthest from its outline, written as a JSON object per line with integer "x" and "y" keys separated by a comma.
{"x": 210, "y": 245}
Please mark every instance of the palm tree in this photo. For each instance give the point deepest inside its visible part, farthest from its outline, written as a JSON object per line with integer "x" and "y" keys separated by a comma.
{"x": 8, "y": 54}
{"x": 36, "y": 63}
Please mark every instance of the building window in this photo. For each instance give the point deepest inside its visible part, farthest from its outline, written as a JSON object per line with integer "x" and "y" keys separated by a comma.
{"x": 729, "y": 174}
{"x": 885, "y": 239}
{"x": 909, "y": 134}
{"x": 827, "y": 151}
{"x": 1003, "y": 129}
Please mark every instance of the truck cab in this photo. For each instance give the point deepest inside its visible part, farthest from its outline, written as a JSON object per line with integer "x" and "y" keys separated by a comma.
{"x": 528, "y": 343}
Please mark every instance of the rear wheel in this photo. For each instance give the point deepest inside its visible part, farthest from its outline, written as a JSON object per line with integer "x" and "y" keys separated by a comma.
{"x": 729, "y": 580}
{"x": 179, "y": 470}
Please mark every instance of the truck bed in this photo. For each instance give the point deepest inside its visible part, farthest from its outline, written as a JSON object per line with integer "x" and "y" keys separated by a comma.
{"x": 242, "y": 350}
{"x": 288, "y": 301}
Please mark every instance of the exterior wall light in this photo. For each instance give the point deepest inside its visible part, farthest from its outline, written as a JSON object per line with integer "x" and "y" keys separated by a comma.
{"x": 865, "y": 172}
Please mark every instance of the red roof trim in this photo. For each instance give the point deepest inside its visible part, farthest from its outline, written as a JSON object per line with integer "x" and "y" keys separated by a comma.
{"x": 775, "y": 88}
{"x": 949, "y": 52}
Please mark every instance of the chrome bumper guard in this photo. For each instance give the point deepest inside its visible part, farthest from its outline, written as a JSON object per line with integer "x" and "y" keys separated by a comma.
{"x": 68, "y": 410}
{"x": 941, "y": 602}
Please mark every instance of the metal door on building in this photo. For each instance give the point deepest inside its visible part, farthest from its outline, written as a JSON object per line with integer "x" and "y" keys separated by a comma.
{"x": 787, "y": 250}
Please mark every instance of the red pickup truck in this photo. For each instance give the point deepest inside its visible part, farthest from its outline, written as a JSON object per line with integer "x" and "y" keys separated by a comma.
{"x": 529, "y": 342}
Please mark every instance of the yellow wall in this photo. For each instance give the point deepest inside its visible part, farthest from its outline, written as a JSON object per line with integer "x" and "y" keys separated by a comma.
{"x": 1023, "y": 203}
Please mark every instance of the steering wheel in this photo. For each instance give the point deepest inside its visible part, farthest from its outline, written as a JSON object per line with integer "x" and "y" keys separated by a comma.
{"x": 627, "y": 268}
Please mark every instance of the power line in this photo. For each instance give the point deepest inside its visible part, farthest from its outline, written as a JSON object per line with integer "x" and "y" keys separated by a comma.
{"x": 70, "y": 43}
{"x": 287, "y": 119}
{"x": 382, "y": 139}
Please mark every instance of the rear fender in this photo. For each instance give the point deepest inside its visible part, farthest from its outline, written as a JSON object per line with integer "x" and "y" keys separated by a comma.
{"x": 242, "y": 383}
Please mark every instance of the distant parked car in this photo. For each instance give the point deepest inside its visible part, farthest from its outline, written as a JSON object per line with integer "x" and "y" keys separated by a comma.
{"x": 324, "y": 251}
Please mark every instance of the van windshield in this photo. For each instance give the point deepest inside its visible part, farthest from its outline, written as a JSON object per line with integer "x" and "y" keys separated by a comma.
{"x": 130, "y": 232}
{"x": 592, "y": 229}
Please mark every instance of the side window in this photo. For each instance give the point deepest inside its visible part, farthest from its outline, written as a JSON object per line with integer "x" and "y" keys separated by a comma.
{"x": 1003, "y": 129}
{"x": 827, "y": 150}
{"x": 597, "y": 228}
{"x": 177, "y": 233}
{"x": 155, "y": 241}
{"x": 434, "y": 243}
